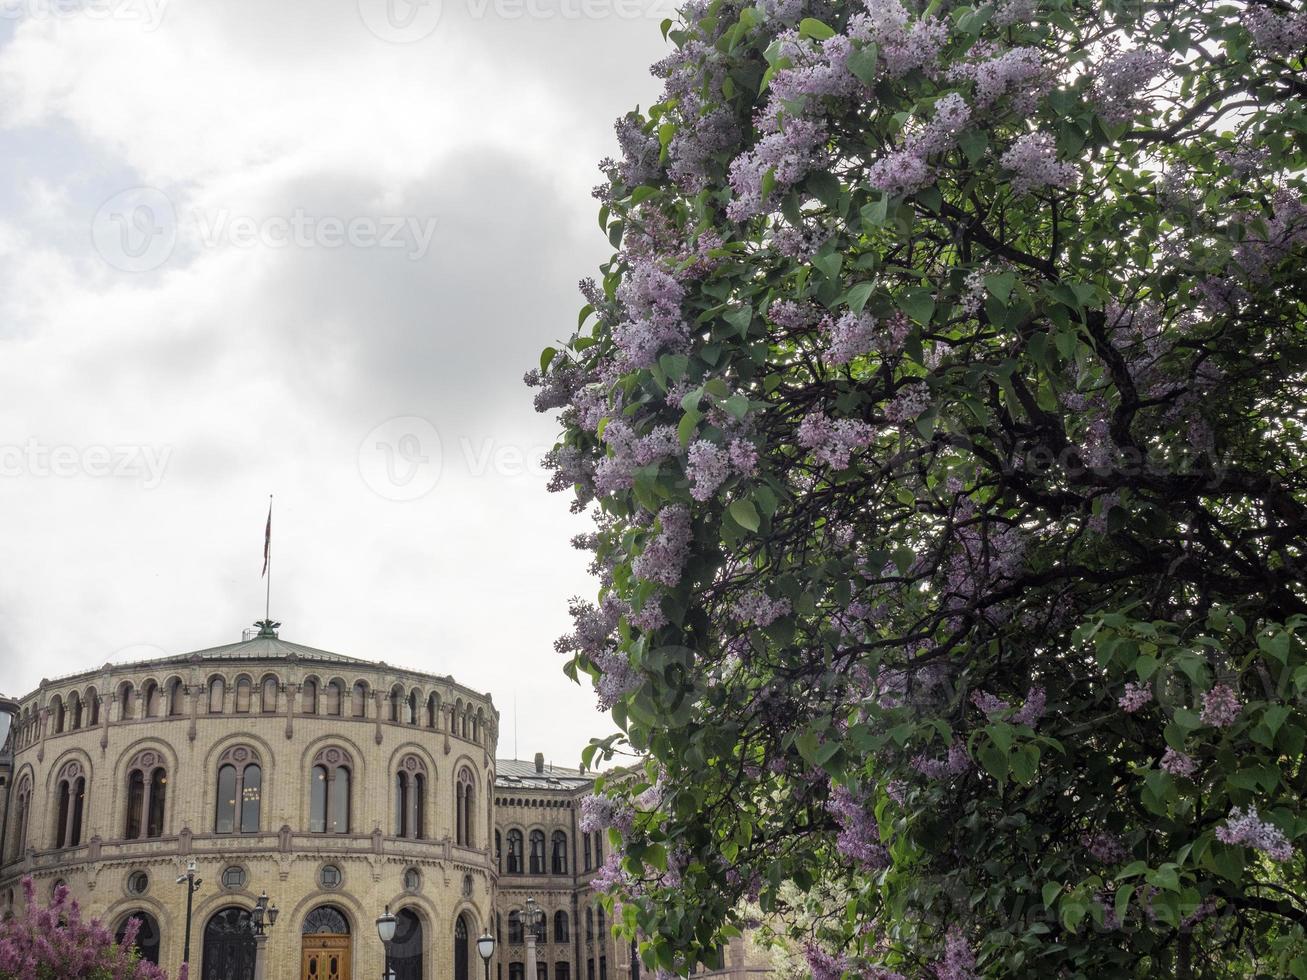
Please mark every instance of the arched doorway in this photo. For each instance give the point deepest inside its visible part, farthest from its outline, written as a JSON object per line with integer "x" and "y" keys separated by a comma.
{"x": 460, "y": 948}
{"x": 147, "y": 937}
{"x": 406, "y": 950}
{"x": 229, "y": 945}
{"x": 326, "y": 948}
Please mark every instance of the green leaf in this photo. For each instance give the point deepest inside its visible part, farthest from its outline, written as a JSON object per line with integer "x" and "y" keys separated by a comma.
{"x": 857, "y": 296}
{"x": 1050, "y": 891}
{"x": 547, "y": 357}
{"x": 738, "y": 406}
{"x": 689, "y": 422}
{"x": 863, "y": 64}
{"x": 815, "y": 29}
{"x": 1000, "y": 285}
{"x": 744, "y": 514}
{"x": 919, "y": 304}
{"x": 829, "y": 264}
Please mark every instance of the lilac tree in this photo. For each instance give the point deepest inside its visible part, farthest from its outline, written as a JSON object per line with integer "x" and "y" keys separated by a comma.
{"x": 941, "y": 411}
{"x": 54, "y": 942}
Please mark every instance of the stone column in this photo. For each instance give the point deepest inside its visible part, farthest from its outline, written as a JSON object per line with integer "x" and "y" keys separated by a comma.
{"x": 260, "y": 954}
{"x": 531, "y": 951}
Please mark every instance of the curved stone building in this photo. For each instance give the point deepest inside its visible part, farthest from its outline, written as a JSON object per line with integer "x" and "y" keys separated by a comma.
{"x": 336, "y": 785}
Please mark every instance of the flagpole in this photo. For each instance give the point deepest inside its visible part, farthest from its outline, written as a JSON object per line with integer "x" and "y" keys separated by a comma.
{"x": 267, "y": 595}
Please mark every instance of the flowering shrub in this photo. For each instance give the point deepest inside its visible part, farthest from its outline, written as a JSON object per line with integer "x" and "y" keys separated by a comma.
{"x": 53, "y": 942}
{"x": 941, "y": 412}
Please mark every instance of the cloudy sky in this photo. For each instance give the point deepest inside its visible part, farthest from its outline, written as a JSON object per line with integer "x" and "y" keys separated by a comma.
{"x": 304, "y": 248}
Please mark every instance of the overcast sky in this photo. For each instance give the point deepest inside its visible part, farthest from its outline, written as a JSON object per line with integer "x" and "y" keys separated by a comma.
{"x": 306, "y": 248}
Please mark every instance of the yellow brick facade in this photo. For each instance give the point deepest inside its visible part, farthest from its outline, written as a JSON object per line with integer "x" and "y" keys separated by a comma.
{"x": 285, "y": 708}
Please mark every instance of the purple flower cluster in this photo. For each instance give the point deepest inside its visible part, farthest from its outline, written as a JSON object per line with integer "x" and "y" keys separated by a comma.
{"x": 903, "y": 47}
{"x": 663, "y": 558}
{"x": 905, "y": 170}
{"x": 956, "y": 763}
{"x": 1104, "y": 847}
{"x": 1245, "y": 827}
{"x": 988, "y": 703}
{"x": 788, "y": 155}
{"x": 1033, "y": 709}
{"x": 707, "y": 465}
{"x": 1120, "y": 77}
{"x": 651, "y": 299}
{"x": 1221, "y": 707}
{"x": 1177, "y": 763}
{"x": 1033, "y": 160}
{"x": 761, "y": 609}
{"x": 859, "y": 837}
{"x": 1272, "y": 33}
{"x": 1135, "y": 697}
{"x": 823, "y": 965}
{"x": 617, "y": 677}
{"x": 852, "y": 335}
{"x": 1017, "y": 72}
{"x": 55, "y": 941}
{"x": 599, "y": 812}
{"x": 959, "y": 961}
{"x": 908, "y": 404}
{"x": 833, "y": 441}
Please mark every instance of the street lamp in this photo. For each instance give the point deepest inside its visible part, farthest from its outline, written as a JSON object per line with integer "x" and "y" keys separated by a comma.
{"x": 264, "y": 913}
{"x": 265, "y": 917}
{"x": 386, "y": 930}
{"x": 532, "y": 918}
{"x": 192, "y": 886}
{"x": 486, "y": 947}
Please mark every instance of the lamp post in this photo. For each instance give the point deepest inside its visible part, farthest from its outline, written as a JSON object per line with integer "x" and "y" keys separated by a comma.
{"x": 265, "y": 917}
{"x": 192, "y": 886}
{"x": 386, "y": 930}
{"x": 532, "y": 914}
{"x": 486, "y": 947}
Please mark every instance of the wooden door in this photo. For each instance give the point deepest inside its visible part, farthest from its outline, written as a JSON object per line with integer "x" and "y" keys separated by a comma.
{"x": 326, "y": 957}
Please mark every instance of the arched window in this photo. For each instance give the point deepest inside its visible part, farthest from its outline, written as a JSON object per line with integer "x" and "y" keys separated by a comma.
{"x": 396, "y": 702}
{"x": 360, "y": 700}
{"x": 176, "y": 697}
{"x": 332, "y": 696}
{"x": 152, "y": 699}
{"x": 499, "y": 847}
{"x": 603, "y": 928}
{"x": 411, "y": 798}
{"x": 560, "y": 927}
{"x": 240, "y": 792}
{"x": 589, "y": 924}
{"x": 562, "y": 970}
{"x": 93, "y": 706}
{"x": 147, "y": 788}
{"x": 463, "y": 809}
{"x": 585, "y": 849}
{"x": 515, "y": 852}
{"x": 126, "y": 701}
{"x": 541, "y": 928}
{"x": 329, "y": 792}
{"x": 70, "y": 789}
{"x": 478, "y": 724}
{"x": 558, "y": 854}
{"x": 244, "y": 694}
{"x": 147, "y": 935}
{"x": 515, "y": 932}
{"x": 309, "y": 697}
{"x": 411, "y": 707}
{"x": 217, "y": 694}
{"x": 75, "y": 711}
{"x": 269, "y": 699}
{"x": 57, "y": 712}
{"x": 537, "y": 852}
{"x": 433, "y": 709}
{"x": 599, "y": 849}
{"x": 22, "y": 813}
{"x": 407, "y": 948}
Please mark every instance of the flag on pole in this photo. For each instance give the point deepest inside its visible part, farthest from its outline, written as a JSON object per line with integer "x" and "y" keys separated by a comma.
{"x": 267, "y": 541}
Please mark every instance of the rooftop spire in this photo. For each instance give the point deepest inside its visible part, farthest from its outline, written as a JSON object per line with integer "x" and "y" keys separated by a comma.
{"x": 267, "y": 627}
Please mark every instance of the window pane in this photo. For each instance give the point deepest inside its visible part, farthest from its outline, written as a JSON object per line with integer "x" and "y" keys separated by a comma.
{"x": 225, "y": 821}
{"x": 61, "y": 828}
{"x": 158, "y": 791}
{"x": 418, "y": 804}
{"x": 340, "y": 803}
{"x": 79, "y": 805}
{"x": 135, "y": 804}
{"x": 251, "y": 799}
{"x": 318, "y": 801}
{"x": 401, "y": 805}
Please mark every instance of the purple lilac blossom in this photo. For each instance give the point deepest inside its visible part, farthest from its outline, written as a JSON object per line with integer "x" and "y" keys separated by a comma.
{"x": 707, "y": 465}
{"x": 1033, "y": 159}
{"x": 1221, "y": 707}
{"x": 1177, "y": 763}
{"x": 1135, "y": 697}
{"x": 1245, "y": 827}
{"x": 663, "y": 558}
{"x": 859, "y": 837}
